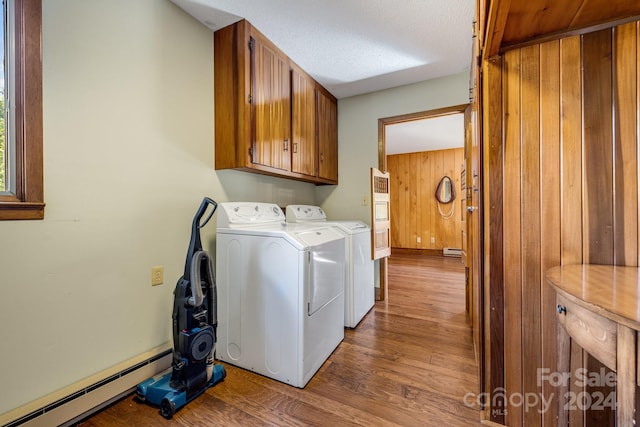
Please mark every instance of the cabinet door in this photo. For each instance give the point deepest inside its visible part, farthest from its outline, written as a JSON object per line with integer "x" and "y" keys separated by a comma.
{"x": 327, "y": 117}
{"x": 303, "y": 155}
{"x": 271, "y": 107}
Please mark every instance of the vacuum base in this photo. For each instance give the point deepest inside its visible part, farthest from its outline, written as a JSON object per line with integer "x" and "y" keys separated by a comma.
{"x": 158, "y": 391}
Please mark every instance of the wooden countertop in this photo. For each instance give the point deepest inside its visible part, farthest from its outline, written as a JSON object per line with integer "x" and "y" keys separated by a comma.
{"x": 611, "y": 291}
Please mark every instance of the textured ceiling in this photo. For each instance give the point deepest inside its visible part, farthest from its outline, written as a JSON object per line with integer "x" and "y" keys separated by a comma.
{"x": 356, "y": 46}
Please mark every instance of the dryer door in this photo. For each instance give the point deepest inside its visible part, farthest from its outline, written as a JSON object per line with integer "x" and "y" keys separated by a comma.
{"x": 326, "y": 274}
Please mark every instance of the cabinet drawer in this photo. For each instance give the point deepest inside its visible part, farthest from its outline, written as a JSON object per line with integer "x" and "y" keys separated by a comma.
{"x": 594, "y": 333}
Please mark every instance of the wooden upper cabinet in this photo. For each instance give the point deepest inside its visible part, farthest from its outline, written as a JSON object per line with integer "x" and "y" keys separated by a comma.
{"x": 327, "y": 119}
{"x": 270, "y": 106}
{"x": 303, "y": 148}
{"x": 266, "y": 118}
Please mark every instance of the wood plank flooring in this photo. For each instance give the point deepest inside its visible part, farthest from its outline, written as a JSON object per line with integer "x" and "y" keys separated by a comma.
{"x": 409, "y": 362}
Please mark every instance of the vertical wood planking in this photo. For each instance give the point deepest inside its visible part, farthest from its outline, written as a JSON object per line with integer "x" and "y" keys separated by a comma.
{"x": 512, "y": 243}
{"x": 494, "y": 332}
{"x": 571, "y": 146}
{"x": 433, "y": 165}
{"x": 404, "y": 172}
{"x": 449, "y": 220}
{"x": 435, "y": 161}
{"x": 549, "y": 210}
{"x": 425, "y": 217}
{"x": 598, "y": 150}
{"x": 585, "y": 190}
{"x": 625, "y": 145}
{"x": 394, "y": 182}
{"x": 530, "y": 221}
{"x": 460, "y": 212}
{"x": 435, "y": 216}
{"x": 599, "y": 190}
{"x": 414, "y": 212}
{"x": 419, "y": 201}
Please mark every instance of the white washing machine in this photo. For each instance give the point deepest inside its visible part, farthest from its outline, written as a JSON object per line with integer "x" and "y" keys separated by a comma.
{"x": 280, "y": 292}
{"x": 360, "y": 282}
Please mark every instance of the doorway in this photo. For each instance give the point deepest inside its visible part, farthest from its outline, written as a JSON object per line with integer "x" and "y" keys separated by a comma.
{"x": 425, "y": 161}
{"x": 386, "y": 122}
{"x": 449, "y": 229}
{"x": 471, "y": 208}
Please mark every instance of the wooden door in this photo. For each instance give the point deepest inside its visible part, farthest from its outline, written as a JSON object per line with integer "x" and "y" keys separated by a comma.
{"x": 327, "y": 125}
{"x": 381, "y": 224}
{"x": 303, "y": 125}
{"x": 465, "y": 201}
{"x": 380, "y": 214}
{"x": 474, "y": 211}
{"x": 271, "y": 106}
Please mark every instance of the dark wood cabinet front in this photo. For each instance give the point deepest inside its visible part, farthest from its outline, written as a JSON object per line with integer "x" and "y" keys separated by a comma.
{"x": 271, "y": 117}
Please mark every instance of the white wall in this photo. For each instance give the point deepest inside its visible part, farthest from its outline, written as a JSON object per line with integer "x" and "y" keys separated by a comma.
{"x": 128, "y": 148}
{"x": 358, "y": 137}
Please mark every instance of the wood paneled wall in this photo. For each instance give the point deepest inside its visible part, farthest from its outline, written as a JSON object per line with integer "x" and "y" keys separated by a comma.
{"x": 570, "y": 180}
{"x": 414, "y": 208}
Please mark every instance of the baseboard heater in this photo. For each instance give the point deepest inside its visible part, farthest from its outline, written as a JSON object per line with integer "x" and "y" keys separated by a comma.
{"x": 455, "y": 252}
{"x": 74, "y": 407}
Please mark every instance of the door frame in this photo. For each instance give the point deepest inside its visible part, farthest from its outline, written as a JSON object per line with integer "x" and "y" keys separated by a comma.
{"x": 429, "y": 114}
{"x": 382, "y": 158}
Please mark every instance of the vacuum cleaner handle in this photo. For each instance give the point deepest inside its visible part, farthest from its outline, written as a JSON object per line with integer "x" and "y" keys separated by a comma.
{"x": 195, "y": 244}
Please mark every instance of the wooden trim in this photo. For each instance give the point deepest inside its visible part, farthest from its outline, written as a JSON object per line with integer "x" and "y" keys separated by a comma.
{"x": 493, "y": 229}
{"x": 402, "y": 118}
{"x": 496, "y": 23}
{"x": 423, "y": 252}
{"x": 382, "y": 158}
{"x": 512, "y": 246}
{"x": 384, "y": 279}
{"x": 382, "y": 165}
{"x": 568, "y": 33}
{"x": 29, "y": 197}
{"x": 550, "y": 207}
{"x": 445, "y": 111}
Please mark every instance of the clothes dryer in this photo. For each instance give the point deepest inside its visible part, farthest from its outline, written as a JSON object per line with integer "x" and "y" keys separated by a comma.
{"x": 359, "y": 284}
{"x": 280, "y": 292}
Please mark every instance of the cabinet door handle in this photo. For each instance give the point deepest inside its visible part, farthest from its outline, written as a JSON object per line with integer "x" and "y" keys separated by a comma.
{"x": 295, "y": 147}
{"x": 286, "y": 145}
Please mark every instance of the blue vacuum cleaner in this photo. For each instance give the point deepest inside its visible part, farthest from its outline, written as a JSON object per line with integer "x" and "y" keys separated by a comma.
{"x": 194, "y": 330}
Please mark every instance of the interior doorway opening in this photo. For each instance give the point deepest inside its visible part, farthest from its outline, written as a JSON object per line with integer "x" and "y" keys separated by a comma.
{"x": 427, "y": 148}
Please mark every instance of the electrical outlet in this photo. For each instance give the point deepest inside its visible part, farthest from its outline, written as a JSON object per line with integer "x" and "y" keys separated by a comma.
{"x": 363, "y": 200}
{"x": 418, "y": 239}
{"x": 433, "y": 240}
{"x": 157, "y": 275}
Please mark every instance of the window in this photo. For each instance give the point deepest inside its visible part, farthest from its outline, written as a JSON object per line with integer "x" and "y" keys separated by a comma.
{"x": 21, "y": 178}
{"x": 4, "y": 63}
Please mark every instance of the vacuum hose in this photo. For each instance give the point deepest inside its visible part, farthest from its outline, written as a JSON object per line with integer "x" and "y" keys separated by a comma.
{"x": 202, "y": 263}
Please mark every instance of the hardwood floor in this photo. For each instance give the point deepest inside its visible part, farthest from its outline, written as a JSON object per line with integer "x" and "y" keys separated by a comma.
{"x": 410, "y": 362}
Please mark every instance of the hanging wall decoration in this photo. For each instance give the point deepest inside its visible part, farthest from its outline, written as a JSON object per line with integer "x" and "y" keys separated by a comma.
{"x": 446, "y": 194}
